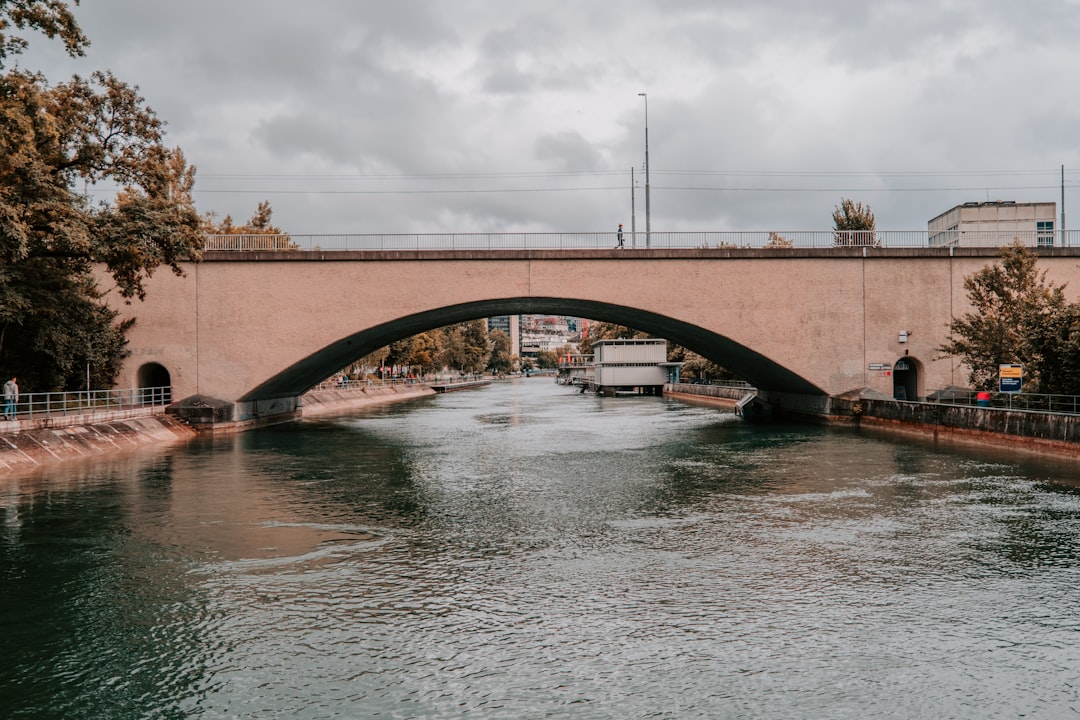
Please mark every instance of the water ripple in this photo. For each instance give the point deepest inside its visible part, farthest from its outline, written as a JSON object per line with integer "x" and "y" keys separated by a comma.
{"x": 524, "y": 552}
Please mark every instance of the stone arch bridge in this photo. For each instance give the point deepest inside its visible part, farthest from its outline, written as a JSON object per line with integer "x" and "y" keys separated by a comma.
{"x": 257, "y": 329}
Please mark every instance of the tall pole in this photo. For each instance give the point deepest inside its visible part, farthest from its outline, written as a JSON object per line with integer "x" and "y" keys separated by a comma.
{"x": 648, "y": 208}
{"x": 1064, "y": 237}
{"x": 633, "y": 212}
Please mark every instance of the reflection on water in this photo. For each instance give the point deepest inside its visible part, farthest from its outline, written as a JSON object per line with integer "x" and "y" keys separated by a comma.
{"x": 527, "y": 551}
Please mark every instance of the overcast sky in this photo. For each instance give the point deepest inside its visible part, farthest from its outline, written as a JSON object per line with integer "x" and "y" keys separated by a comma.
{"x": 485, "y": 115}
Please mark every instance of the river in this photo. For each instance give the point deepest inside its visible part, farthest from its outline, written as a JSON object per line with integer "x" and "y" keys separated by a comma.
{"x": 526, "y": 551}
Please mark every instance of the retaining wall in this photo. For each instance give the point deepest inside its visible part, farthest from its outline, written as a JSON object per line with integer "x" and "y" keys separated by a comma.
{"x": 1025, "y": 429}
{"x": 1018, "y": 428}
{"x": 716, "y": 394}
{"x": 28, "y": 444}
{"x": 326, "y": 402}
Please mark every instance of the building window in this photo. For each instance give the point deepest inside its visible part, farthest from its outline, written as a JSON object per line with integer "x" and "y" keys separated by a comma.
{"x": 1044, "y": 233}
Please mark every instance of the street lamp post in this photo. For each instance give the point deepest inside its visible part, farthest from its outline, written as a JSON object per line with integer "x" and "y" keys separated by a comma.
{"x": 648, "y": 213}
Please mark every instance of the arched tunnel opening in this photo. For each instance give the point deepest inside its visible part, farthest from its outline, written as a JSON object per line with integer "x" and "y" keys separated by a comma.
{"x": 757, "y": 369}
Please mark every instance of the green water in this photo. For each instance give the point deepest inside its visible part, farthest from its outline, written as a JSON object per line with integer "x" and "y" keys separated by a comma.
{"x": 524, "y": 551}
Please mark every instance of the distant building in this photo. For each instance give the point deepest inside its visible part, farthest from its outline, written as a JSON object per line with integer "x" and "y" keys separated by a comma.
{"x": 638, "y": 365}
{"x": 533, "y": 344}
{"x": 981, "y": 224}
{"x": 547, "y": 333}
{"x": 511, "y": 325}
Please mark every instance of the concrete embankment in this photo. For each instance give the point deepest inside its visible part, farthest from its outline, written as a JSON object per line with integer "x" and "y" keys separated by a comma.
{"x": 720, "y": 395}
{"x": 460, "y": 385}
{"x": 28, "y": 444}
{"x": 999, "y": 427}
{"x": 1023, "y": 429}
{"x": 334, "y": 400}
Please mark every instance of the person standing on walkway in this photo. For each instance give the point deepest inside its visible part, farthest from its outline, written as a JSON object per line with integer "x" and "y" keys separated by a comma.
{"x": 620, "y": 236}
{"x": 11, "y": 398}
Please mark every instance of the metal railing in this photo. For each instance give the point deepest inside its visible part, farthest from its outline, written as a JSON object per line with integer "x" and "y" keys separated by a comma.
{"x": 360, "y": 384}
{"x": 32, "y": 406}
{"x": 353, "y": 383}
{"x": 736, "y": 384}
{"x": 792, "y": 239}
{"x": 1038, "y": 402}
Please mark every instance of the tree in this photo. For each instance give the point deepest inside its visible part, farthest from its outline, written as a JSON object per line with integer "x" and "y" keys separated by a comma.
{"x": 51, "y": 17}
{"x": 607, "y": 331}
{"x": 57, "y": 142}
{"x": 776, "y": 240}
{"x": 547, "y": 360}
{"x": 694, "y": 365}
{"x": 1057, "y": 340}
{"x": 500, "y": 360}
{"x": 475, "y": 349}
{"x": 421, "y": 352}
{"x": 853, "y": 224}
{"x": 262, "y": 234}
{"x": 1017, "y": 317}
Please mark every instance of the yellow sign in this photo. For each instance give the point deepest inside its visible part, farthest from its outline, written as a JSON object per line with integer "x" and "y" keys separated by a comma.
{"x": 1011, "y": 371}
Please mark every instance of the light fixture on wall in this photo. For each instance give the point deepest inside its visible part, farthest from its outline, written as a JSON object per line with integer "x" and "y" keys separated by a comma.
{"x": 904, "y": 335}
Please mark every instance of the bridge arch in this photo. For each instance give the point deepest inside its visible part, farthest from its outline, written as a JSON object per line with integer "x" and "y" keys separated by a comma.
{"x": 743, "y": 361}
{"x": 802, "y": 325}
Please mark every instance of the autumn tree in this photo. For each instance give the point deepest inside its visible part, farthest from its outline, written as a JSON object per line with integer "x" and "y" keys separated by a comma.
{"x": 607, "y": 331}
{"x": 57, "y": 142}
{"x": 53, "y": 18}
{"x": 466, "y": 346}
{"x": 776, "y": 240}
{"x": 853, "y": 224}
{"x": 1016, "y": 316}
{"x": 500, "y": 359}
{"x": 698, "y": 366}
{"x": 547, "y": 360}
{"x": 420, "y": 352}
{"x": 261, "y": 233}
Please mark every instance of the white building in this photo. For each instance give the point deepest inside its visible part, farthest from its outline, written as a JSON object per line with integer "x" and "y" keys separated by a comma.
{"x": 638, "y": 365}
{"x": 981, "y": 224}
{"x": 532, "y": 344}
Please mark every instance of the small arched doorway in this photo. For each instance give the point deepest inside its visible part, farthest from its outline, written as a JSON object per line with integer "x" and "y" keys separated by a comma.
{"x": 906, "y": 379}
{"x": 155, "y": 384}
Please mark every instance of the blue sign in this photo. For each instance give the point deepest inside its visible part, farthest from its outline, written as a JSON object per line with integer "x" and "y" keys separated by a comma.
{"x": 1010, "y": 384}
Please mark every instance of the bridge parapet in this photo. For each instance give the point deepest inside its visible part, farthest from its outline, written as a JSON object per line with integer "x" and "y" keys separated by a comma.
{"x": 724, "y": 239}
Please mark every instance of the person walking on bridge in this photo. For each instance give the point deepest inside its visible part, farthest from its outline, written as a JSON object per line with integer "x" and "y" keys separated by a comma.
{"x": 620, "y": 238}
{"x": 11, "y": 398}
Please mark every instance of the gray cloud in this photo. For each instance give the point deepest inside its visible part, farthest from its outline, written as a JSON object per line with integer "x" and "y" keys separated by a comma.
{"x": 480, "y": 116}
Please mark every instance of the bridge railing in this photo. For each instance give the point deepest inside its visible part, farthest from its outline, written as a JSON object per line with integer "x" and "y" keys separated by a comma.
{"x": 35, "y": 405}
{"x": 641, "y": 240}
